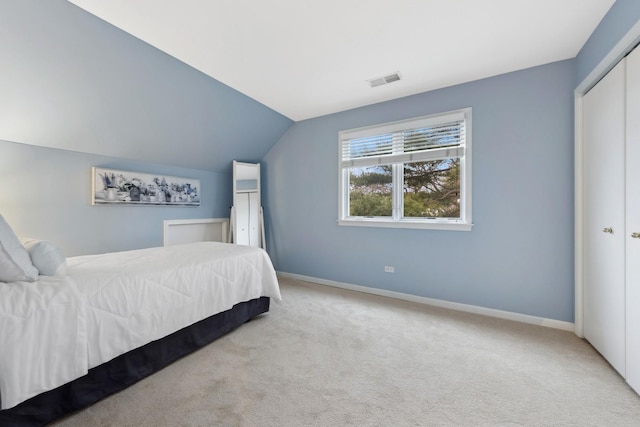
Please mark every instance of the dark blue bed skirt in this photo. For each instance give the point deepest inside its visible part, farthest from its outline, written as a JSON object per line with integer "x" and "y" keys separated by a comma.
{"x": 129, "y": 368}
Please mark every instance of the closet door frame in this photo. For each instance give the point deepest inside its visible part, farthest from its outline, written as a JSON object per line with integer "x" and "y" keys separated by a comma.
{"x": 619, "y": 51}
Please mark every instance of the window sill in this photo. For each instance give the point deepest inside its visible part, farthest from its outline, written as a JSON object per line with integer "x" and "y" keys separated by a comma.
{"x": 424, "y": 225}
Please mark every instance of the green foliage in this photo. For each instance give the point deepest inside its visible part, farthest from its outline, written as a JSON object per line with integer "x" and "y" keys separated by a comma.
{"x": 374, "y": 204}
{"x": 370, "y": 178}
{"x": 431, "y": 189}
{"x": 413, "y": 206}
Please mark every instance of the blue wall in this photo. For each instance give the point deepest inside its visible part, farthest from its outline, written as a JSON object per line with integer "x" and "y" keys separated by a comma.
{"x": 519, "y": 256}
{"x": 76, "y": 92}
{"x": 45, "y": 193}
{"x": 70, "y": 80}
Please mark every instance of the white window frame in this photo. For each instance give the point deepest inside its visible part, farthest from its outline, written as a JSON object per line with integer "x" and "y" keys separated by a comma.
{"x": 464, "y": 223}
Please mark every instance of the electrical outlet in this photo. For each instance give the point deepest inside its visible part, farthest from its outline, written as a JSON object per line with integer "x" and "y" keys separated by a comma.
{"x": 388, "y": 269}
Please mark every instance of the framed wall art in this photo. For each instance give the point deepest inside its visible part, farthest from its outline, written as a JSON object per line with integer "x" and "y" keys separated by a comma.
{"x": 118, "y": 187}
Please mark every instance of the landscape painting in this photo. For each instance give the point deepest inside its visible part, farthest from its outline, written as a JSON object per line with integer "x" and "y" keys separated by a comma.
{"x": 118, "y": 187}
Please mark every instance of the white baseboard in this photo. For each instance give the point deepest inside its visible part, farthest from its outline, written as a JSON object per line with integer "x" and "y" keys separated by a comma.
{"x": 508, "y": 315}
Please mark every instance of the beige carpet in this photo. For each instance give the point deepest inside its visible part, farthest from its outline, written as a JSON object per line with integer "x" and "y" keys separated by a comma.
{"x": 329, "y": 357}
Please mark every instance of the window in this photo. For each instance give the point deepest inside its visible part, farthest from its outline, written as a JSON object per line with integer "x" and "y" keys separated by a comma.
{"x": 413, "y": 173}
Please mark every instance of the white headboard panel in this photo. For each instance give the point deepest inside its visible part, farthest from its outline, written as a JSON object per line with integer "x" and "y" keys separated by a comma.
{"x": 179, "y": 231}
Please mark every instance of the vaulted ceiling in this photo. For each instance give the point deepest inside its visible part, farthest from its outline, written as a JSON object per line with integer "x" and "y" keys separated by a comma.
{"x": 310, "y": 58}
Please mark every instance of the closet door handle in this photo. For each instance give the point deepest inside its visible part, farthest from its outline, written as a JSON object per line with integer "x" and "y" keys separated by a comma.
{"x": 607, "y": 230}
{"x": 635, "y": 235}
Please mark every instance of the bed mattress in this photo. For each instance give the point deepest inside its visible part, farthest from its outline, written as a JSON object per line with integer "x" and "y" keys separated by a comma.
{"x": 56, "y": 329}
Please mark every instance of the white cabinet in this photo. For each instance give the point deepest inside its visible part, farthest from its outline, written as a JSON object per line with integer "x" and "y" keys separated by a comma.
{"x": 611, "y": 216}
{"x": 246, "y": 214}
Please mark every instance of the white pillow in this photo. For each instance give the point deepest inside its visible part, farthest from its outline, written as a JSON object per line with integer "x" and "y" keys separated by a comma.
{"x": 15, "y": 263}
{"x": 46, "y": 257}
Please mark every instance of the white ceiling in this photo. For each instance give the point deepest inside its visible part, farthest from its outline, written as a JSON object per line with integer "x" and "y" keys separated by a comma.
{"x": 306, "y": 58}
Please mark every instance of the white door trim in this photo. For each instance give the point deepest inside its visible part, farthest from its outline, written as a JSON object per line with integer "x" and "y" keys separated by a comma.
{"x": 619, "y": 51}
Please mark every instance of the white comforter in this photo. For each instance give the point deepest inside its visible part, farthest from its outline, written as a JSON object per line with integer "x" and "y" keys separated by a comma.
{"x": 54, "y": 330}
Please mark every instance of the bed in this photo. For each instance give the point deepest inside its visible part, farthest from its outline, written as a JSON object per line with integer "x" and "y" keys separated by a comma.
{"x": 69, "y": 340}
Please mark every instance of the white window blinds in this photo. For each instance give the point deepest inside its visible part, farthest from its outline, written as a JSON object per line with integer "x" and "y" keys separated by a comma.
{"x": 429, "y": 138}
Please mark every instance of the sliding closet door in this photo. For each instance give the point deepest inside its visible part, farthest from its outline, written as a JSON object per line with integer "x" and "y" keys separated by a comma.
{"x": 633, "y": 220}
{"x": 604, "y": 222}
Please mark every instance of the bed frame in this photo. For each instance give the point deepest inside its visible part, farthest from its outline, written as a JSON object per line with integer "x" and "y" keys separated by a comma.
{"x": 179, "y": 231}
{"x": 129, "y": 368}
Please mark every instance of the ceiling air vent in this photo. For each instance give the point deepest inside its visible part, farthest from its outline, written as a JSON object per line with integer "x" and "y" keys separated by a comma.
{"x": 379, "y": 81}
